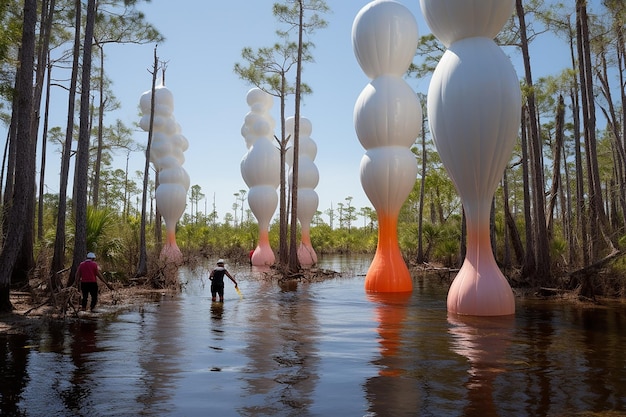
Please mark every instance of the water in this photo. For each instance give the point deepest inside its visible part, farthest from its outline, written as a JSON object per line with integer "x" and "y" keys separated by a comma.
{"x": 319, "y": 349}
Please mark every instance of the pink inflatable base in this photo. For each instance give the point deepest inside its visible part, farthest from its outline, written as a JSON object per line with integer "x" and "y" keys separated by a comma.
{"x": 484, "y": 293}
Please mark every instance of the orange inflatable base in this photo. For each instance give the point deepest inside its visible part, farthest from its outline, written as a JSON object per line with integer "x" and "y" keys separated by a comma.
{"x": 388, "y": 273}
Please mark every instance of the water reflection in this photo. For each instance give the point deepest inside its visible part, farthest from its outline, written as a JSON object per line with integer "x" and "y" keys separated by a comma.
{"x": 282, "y": 368}
{"x": 321, "y": 349}
{"x": 13, "y": 378}
{"x": 162, "y": 351}
{"x": 82, "y": 344}
{"x": 484, "y": 342}
{"x": 392, "y": 392}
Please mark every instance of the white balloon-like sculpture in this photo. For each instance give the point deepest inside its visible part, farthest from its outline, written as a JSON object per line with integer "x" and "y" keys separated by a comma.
{"x": 166, "y": 154}
{"x": 308, "y": 178}
{"x": 474, "y": 103}
{"x": 260, "y": 169}
{"x": 387, "y": 119}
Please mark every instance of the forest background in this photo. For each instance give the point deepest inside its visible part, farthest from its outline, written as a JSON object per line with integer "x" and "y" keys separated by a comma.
{"x": 557, "y": 219}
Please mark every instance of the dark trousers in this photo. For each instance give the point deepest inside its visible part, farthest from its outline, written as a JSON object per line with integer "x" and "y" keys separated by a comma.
{"x": 89, "y": 288}
{"x": 217, "y": 289}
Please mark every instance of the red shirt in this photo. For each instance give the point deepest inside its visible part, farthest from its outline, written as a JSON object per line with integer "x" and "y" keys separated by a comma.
{"x": 87, "y": 270}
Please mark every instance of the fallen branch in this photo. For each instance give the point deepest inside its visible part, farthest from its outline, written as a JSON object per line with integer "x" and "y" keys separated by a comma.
{"x": 594, "y": 267}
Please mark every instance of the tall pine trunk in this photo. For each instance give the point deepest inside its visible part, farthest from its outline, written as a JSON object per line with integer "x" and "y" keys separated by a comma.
{"x": 540, "y": 235}
{"x": 82, "y": 155}
{"x": 58, "y": 257}
{"x": 25, "y": 159}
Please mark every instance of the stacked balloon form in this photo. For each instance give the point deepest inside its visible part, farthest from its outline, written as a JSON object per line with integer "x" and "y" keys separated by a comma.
{"x": 166, "y": 154}
{"x": 308, "y": 178}
{"x": 260, "y": 169}
{"x": 387, "y": 119}
{"x": 474, "y": 104}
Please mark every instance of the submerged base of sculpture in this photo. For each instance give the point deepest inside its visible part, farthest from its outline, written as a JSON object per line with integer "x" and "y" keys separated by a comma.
{"x": 480, "y": 289}
{"x": 306, "y": 254}
{"x": 388, "y": 271}
{"x": 263, "y": 254}
{"x": 171, "y": 254}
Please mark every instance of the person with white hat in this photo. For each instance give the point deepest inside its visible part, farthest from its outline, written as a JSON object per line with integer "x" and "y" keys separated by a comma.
{"x": 87, "y": 276}
{"x": 217, "y": 281}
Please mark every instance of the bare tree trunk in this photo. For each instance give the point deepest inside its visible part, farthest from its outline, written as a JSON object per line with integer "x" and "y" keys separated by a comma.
{"x": 294, "y": 265}
{"x": 142, "y": 267}
{"x": 82, "y": 155}
{"x": 567, "y": 212}
{"x": 597, "y": 215}
{"x": 529, "y": 265}
{"x": 283, "y": 249}
{"x": 25, "y": 159}
{"x": 58, "y": 258}
{"x": 541, "y": 248}
{"x": 42, "y": 168}
{"x": 25, "y": 261}
{"x": 46, "y": 19}
{"x": 95, "y": 188}
{"x": 420, "y": 222}
{"x": 511, "y": 226}
{"x": 613, "y": 121}
{"x": 556, "y": 167}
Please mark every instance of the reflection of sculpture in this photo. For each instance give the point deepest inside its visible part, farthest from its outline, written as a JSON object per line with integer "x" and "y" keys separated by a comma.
{"x": 474, "y": 113}
{"x": 260, "y": 169}
{"x": 308, "y": 178}
{"x": 387, "y": 119}
{"x": 391, "y": 392}
{"x": 484, "y": 343}
{"x": 166, "y": 153}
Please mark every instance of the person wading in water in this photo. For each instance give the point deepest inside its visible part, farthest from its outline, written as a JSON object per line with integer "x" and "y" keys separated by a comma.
{"x": 217, "y": 281}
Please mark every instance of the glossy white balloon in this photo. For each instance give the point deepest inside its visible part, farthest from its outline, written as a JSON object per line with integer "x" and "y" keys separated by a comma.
{"x": 387, "y": 176}
{"x": 384, "y": 38}
{"x": 480, "y": 117}
{"x": 387, "y": 112}
{"x": 171, "y": 200}
{"x": 452, "y": 20}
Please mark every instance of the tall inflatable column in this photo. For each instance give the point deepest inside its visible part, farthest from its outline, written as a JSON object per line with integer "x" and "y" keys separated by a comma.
{"x": 260, "y": 169}
{"x": 387, "y": 119}
{"x": 308, "y": 178}
{"x": 166, "y": 154}
{"x": 474, "y": 103}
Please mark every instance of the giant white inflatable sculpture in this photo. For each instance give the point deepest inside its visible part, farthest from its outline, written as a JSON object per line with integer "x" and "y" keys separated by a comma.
{"x": 308, "y": 178}
{"x": 387, "y": 120}
{"x": 260, "y": 169}
{"x": 166, "y": 154}
{"x": 474, "y": 103}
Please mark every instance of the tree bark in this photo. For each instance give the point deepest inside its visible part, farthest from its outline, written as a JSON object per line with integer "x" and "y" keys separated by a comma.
{"x": 58, "y": 258}
{"x": 82, "y": 155}
{"x": 294, "y": 265}
{"x": 25, "y": 159}
{"x": 540, "y": 236}
{"x": 556, "y": 167}
{"x": 142, "y": 266}
{"x": 420, "y": 247}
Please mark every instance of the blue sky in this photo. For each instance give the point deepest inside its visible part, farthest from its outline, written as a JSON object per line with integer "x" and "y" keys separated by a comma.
{"x": 204, "y": 40}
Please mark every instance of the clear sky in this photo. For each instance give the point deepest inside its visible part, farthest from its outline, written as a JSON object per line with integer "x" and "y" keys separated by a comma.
{"x": 204, "y": 40}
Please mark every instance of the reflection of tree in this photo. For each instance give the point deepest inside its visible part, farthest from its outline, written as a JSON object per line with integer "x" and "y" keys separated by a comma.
{"x": 161, "y": 360}
{"x": 391, "y": 393}
{"x": 483, "y": 341}
{"x": 282, "y": 370}
{"x": 82, "y": 345}
{"x": 601, "y": 331}
{"x": 13, "y": 362}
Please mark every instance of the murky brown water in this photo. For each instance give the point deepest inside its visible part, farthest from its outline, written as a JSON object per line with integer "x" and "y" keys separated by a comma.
{"x": 324, "y": 349}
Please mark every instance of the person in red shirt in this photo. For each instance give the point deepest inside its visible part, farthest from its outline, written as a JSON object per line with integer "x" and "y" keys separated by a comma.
{"x": 87, "y": 276}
